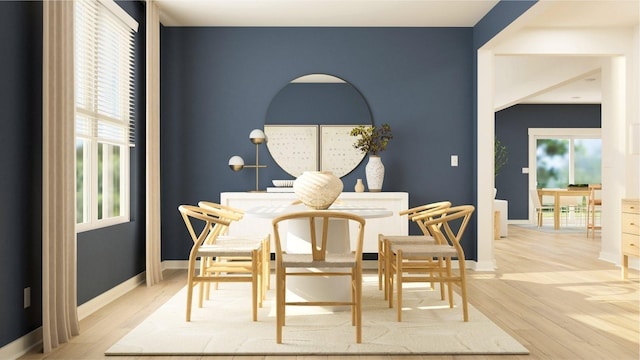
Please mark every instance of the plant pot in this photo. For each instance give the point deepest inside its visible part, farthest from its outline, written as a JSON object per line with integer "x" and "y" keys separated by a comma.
{"x": 375, "y": 173}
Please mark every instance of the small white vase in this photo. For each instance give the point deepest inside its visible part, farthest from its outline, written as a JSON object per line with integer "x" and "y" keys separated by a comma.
{"x": 375, "y": 173}
{"x": 317, "y": 189}
{"x": 359, "y": 186}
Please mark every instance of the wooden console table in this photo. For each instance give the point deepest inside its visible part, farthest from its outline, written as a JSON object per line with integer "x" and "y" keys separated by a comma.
{"x": 557, "y": 193}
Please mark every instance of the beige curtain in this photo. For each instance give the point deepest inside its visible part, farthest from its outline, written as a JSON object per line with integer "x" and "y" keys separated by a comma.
{"x": 59, "y": 299}
{"x": 153, "y": 269}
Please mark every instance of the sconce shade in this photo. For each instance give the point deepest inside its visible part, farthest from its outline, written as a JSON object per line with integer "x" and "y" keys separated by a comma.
{"x": 257, "y": 136}
{"x": 236, "y": 163}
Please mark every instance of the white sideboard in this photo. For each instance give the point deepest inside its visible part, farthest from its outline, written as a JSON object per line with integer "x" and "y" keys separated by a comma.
{"x": 394, "y": 201}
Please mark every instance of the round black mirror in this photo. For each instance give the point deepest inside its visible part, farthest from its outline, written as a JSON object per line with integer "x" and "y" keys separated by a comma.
{"x": 308, "y": 124}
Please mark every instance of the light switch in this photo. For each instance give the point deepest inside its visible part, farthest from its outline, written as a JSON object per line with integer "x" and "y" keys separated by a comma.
{"x": 27, "y": 297}
{"x": 454, "y": 160}
{"x": 525, "y": 170}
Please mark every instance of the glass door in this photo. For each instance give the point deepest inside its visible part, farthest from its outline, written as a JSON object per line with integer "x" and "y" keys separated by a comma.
{"x": 561, "y": 161}
{"x": 560, "y": 157}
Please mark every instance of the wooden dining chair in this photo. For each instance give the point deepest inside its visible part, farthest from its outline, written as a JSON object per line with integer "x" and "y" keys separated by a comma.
{"x": 385, "y": 239}
{"x": 319, "y": 261}
{"x": 594, "y": 204}
{"x": 538, "y": 207}
{"x": 433, "y": 262}
{"x": 242, "y": 261}
{"x": 234, "y": 215}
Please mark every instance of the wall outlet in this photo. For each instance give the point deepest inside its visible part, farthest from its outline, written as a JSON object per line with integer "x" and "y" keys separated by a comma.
{"x": 454, "y": 160}
{"x": 27, "y": 297}
{"x": 525, "y": 170}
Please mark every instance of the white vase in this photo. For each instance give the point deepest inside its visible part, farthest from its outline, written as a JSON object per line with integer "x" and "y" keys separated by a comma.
{"x": 317, "y": 189}
{"x": 375, "y": 173}
{"x": 359, "y": 186}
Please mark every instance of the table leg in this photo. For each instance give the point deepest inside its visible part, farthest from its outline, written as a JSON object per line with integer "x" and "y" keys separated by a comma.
{"x": 556, "y": 211}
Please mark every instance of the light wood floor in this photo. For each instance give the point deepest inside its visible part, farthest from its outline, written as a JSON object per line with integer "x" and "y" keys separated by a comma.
{"x": 549, "y": 292}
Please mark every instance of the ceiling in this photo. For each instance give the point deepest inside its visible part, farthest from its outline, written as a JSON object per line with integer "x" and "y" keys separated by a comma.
{"x": 408, "y": 13}
{"x": 378, "y": 13}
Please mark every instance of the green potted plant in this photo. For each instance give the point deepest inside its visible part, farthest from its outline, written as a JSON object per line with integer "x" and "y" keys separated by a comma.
{"x": 373, "y": 140}
{"x": 500, "y": 158}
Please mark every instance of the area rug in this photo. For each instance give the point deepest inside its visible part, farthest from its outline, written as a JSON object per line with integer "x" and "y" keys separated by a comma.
{"x": 223, "y": 326}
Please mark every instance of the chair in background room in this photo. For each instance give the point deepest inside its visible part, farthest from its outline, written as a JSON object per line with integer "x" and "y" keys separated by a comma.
{"x": 242, "y": 261}
{"x": 573, "y": 208}
{"x": 384, "y": 239}
{"x": 433, "y": 262}
{"x": 538, "y": 207}
{"x": 321, "y": 262}
{"x": 594, "y": 205}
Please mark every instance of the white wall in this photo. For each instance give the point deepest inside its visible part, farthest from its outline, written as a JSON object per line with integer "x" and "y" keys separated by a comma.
{"x": 617, "y": 48}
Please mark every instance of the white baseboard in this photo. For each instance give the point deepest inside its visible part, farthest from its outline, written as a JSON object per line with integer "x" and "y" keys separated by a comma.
{"x": 519, "y": 222}
{"x": 110, "y": 295}
{"x": 480, "y": 266}
{"x": 27, "y": 342}
{"x": 21, "y": 346}
{"x": 175, "y": 264}
{"x": 615, "y": 258}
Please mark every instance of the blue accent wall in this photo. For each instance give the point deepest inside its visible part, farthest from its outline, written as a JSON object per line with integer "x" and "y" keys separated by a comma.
{"x": 21, "y": 163}
{"x": 512, "y": 126}
{"x": 106, "y": 257}
{"x": 217, "y": 84}
{"x": 498, "y": 18}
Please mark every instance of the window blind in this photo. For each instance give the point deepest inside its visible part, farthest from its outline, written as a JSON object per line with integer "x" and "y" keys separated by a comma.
{"x": 104, "y": 39}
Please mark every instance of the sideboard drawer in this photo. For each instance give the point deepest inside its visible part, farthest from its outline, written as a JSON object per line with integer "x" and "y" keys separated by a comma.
{"x": 630, "y": 223}
{"x": 630, "y": 207}
{"x": 631, "y": 244}
{"x": 630, "y": 232}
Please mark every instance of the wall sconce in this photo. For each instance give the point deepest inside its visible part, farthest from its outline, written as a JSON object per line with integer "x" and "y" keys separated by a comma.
{"x": 236, "y": 163}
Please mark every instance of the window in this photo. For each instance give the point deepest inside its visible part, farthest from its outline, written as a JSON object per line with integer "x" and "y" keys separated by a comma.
{"x": 104, "y": 124}
{"x": 565, "y": 156}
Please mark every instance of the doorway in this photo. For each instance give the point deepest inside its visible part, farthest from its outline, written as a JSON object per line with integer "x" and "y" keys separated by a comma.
{"x": 564, "y": 157}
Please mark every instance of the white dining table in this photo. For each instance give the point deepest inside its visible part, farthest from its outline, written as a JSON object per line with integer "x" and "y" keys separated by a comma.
{"x": 296, "y": 241}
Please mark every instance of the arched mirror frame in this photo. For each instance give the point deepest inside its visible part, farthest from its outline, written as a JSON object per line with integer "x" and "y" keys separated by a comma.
{"x": 308, "y": 124}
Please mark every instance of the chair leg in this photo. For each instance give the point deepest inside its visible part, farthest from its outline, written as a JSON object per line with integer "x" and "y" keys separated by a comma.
{"x": 380, "y": 263}
{"x": 203, "y": 265}
{"x": 449, "y": 283}
{"x": 190, "y": 276}
{"x": 280, "y": 299}
{"x": 352, "y": 284}
{"x": 463, "y": 293}
{"x": 254, "y": 284}
{"x": 389, "y": 276}
{"x": 398, "y": 274}
{"x": 267, "y": 263}
{"x": 539, "y": 218}
{"x": 358, "y": 305}
{"x": 442, "y": 284}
